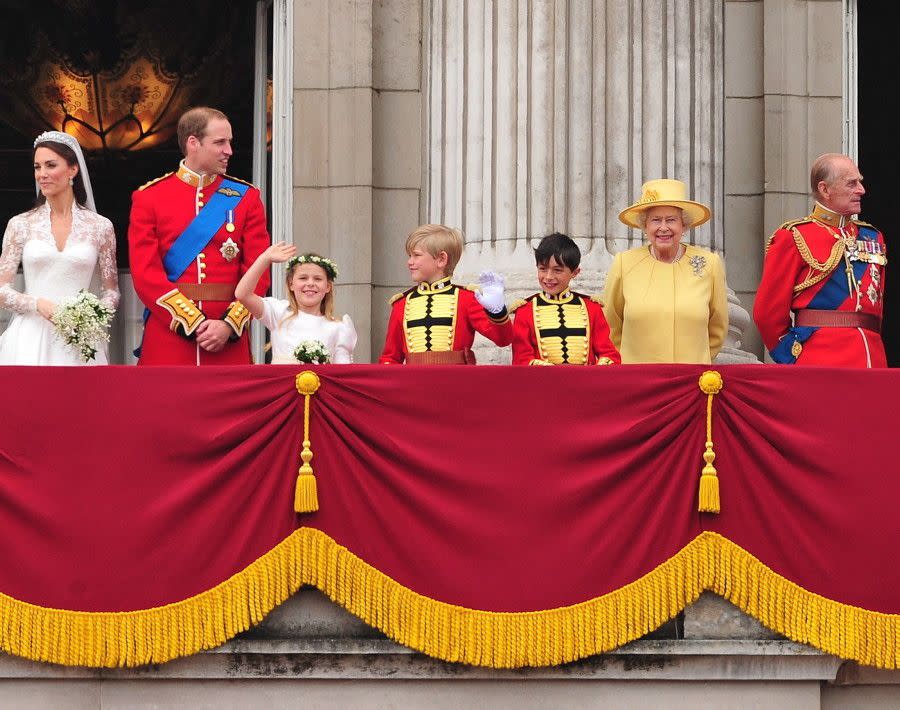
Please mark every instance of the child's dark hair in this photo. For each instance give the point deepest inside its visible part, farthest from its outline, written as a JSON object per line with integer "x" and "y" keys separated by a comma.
{"x": 561, "y": 247}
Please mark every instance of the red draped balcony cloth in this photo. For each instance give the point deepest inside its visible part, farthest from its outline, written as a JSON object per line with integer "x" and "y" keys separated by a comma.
{"x": 501, "y": 516}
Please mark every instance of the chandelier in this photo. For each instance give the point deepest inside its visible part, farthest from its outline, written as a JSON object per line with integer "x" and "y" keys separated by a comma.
{"x": 133, "y": 107}
{"x": 115, "y": 75}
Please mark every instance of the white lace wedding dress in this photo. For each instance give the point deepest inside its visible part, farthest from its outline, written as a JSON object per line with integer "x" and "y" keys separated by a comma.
{"x": 55, "y": 275}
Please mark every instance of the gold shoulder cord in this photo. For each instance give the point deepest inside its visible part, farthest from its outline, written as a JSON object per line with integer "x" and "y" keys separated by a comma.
{"x": 825, "y": 268}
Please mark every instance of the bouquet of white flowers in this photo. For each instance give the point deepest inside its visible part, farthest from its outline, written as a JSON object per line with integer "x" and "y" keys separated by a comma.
{"x": 83, "y": 322}
{"x": 312, "y": 352}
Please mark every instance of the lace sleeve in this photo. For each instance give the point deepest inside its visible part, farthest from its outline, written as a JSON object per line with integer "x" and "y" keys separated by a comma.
{"x": 13, "y": 243}
{"x": 109, "y": 273}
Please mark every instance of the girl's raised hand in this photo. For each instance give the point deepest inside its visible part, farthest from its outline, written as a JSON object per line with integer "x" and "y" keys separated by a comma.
{"x": 280, "y": 252}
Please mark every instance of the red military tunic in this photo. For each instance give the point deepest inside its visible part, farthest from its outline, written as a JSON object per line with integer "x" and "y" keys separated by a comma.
{"x": 568, "y": 329}
{"x": 440, "y": 317}
{"x": 160, "y": 212}
{"x": 825, "y": 262}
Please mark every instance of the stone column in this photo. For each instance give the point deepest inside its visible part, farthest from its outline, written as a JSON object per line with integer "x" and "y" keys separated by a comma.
{"x": 332, "y": 144}
{"x": 744, "y": 154}
{"x": 397, "y": 163}
{"x": 548, "y": 115}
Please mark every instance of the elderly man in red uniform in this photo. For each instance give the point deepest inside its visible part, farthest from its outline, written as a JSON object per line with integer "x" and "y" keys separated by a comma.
{"x": 192, "y": 235}
{"x": 821, "y": 295}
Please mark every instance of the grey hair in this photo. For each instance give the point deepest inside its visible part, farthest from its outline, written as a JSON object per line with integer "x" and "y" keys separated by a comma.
{"x": 641, "y": 217}
{"x": 824, "y": 169}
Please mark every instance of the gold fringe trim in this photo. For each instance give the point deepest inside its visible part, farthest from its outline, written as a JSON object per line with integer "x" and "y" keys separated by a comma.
{"x": 868, "y": 637}
{"x": 446, "y": 631}
{"x": 505, "y": 639}
{"x": 159, "y": 634}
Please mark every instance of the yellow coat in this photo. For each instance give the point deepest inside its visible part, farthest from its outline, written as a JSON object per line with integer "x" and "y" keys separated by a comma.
{"x": 661, "y": 312}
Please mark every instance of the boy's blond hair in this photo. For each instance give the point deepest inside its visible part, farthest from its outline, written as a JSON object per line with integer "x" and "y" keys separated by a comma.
{"x": 435, "y": 238}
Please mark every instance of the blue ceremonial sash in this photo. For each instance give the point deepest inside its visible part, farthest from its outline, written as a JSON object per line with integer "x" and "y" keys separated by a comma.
{"x": 832, "y": 294}
{"x": 202, "y": 228}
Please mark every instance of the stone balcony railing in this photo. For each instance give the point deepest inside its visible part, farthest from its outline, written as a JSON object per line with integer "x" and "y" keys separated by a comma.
{"x": 311, "y": 653}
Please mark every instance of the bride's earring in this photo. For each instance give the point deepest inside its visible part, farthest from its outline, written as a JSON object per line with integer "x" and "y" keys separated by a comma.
{"x": 71, "y": 182}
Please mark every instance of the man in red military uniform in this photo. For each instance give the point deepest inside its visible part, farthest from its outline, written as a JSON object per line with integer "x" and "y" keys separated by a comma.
{"x": 821, "y": 295}
{"x": 192, "y": 235}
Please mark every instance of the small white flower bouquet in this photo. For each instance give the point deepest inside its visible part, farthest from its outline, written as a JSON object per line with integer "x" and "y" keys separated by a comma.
{"x": 83, "y": 323}
{"x": 312, "y": 352}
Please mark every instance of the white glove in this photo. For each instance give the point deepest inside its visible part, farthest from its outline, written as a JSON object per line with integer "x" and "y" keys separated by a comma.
{"x": 490, "y": 292}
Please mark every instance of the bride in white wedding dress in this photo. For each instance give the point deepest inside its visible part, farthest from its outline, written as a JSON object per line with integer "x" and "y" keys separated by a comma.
{"x": 60, "y": 243}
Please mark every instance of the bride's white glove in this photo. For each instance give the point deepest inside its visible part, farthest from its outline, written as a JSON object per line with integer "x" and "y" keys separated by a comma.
{"x": 490, "y": 293}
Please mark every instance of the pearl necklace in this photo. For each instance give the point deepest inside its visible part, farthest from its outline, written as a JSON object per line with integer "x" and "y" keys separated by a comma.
{"x": 681, "y": 251}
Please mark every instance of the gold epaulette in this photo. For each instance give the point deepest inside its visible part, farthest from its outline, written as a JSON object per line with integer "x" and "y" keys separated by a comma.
{"x": 516, "y": 304}
{"x": 860, "y": 223}
{"x": 397, "y": 296}
{"x": 790, "y": 224}
{"x": 155, "y": 180}
{"x": 243, "y": 182}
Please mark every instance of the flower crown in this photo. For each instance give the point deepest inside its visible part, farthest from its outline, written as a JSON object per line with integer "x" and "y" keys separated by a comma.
{"x": 327, "y": 264}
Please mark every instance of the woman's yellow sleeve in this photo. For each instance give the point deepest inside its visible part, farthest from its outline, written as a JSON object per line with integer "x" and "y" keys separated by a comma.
{"x": 614, "y": 302}
{"x": 718, "y": 307}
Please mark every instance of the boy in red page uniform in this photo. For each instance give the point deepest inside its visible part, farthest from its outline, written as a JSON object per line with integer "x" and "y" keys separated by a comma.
{"x": 434, "y": 322}
{"x": 558, "y": 326}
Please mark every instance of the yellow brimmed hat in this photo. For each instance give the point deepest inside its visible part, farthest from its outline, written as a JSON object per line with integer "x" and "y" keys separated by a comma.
{"x": 664, "y": 193}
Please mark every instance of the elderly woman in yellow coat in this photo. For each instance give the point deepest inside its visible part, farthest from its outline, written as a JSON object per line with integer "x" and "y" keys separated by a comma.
{"x": 666, "y": 301}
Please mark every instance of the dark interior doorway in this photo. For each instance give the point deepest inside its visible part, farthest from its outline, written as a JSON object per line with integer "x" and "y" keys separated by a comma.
{"x": 879, "y": 147}
{"x": 205, "y": 47}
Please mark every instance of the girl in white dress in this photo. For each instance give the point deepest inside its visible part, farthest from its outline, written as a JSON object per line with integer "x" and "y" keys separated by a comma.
{"x": 60, "y": 244}
{"x": 307, "y": 314}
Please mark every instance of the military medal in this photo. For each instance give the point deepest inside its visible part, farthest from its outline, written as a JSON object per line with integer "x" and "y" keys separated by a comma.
{"x": 229, "y": 249}
{"x": 874, "y": 284}
{"x": 852, "y": 246}
{"x": 229, "y": 222}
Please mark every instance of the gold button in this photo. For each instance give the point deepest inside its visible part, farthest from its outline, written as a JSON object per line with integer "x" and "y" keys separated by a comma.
{"x": 199, "y": 203}
{"x": 179, "y": 301}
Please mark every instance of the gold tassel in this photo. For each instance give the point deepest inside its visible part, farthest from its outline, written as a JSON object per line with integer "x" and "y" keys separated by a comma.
{"x": 711, "y": 384}
{"x": 306, "y": 497}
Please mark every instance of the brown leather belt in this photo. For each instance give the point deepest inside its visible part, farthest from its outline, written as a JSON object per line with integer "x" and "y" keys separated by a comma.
{"x": 208, "y": 292}
{"x": 443, "y": 357}
{"x": 837, "y": 319}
